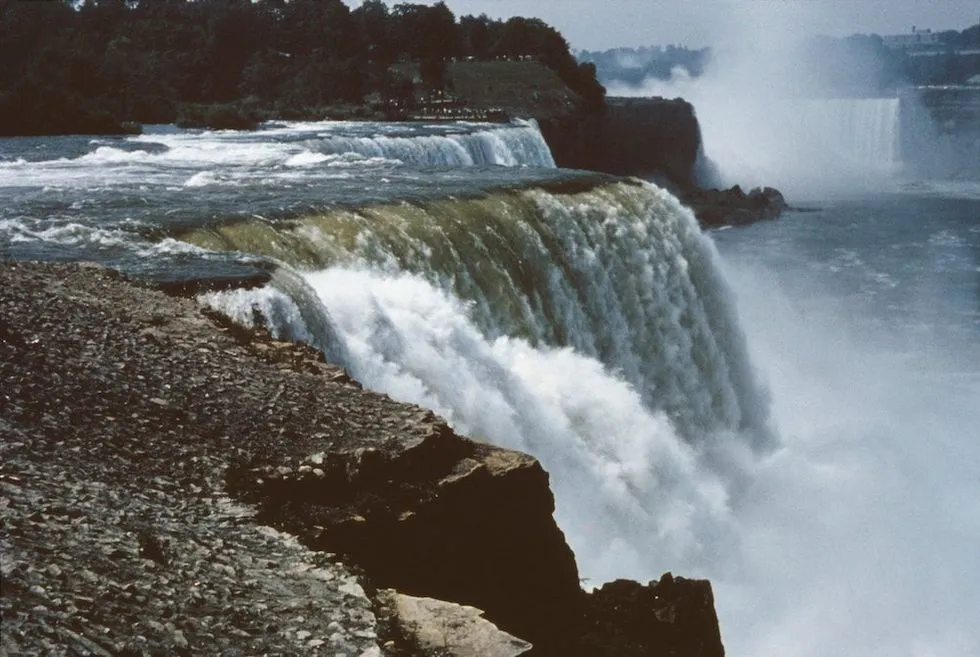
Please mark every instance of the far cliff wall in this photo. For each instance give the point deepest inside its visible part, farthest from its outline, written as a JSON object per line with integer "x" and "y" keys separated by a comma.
{"x": 529, "y": 89}
{"x": 646, "y": 137}
{"x": 650, "y": 137}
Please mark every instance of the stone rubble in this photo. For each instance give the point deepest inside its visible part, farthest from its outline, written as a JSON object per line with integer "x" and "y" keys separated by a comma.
{"x": 120, "y": 410}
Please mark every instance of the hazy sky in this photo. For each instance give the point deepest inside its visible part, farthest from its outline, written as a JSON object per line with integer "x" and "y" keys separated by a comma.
{"x": 597, "y": 24}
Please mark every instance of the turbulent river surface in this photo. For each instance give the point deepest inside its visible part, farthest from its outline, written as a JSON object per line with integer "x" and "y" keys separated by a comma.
{"x": 112, "y": 199}
{"x": 790, "y": 409}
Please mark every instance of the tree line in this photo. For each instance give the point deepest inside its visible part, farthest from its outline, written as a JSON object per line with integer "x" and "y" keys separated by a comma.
{"x": 857, "y": 64}
{"x": 87, "y": 65}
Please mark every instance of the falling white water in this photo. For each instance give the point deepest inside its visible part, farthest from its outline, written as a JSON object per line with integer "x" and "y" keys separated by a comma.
{"x": 637, "y": 397}
{"x": 854, "y": 535}
{"x": 620, "y": 273}
{"x": 777, "y": 110}
{"x": 627, "y": 487}
{"x": 629, "y": 491}
{"x": 512, "y": 145}
{"x": 806, "y": 147}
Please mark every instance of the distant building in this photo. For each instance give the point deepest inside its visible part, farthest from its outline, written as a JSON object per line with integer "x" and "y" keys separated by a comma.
{"x": 915, "y": 40}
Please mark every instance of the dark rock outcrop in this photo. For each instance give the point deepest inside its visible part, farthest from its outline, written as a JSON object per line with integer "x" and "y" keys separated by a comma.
{"x": 440, "y": 516}
{"x": 650, "y": 138}
{"x": 660, "y": 139}
{"x": 732, "y": 206}
{"x": 527, "y": 88}
{"x": 674, "y": 616}
{"x": 127, "y": 417}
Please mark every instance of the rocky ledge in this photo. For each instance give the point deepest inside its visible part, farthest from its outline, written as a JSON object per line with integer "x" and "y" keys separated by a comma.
{"x": 173, "y": 484}
{"x": 733, "y": 206}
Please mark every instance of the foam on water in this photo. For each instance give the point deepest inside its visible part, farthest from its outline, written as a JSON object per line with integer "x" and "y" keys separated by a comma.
{"x": 306, "y": 158}
{"x": 621, "y": 273}
{"x": 297, "y": 151}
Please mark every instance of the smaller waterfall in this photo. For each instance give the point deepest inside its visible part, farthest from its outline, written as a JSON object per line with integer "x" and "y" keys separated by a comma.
{"x": 861, "y": 132}
{"x": 806, "y": 147}
{"x": 516, "y": 144}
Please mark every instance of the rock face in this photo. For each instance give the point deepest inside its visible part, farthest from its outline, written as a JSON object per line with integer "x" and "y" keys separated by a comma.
{"x": 660, "y": 139}
{"x": 674, "y": 616}
{"x": 732, "y": 206}
{"x": 650, "y": 138}
{"x": 436, "y": 515}
{"x": 130, "y": 421}
{"x": 439, "y": 627}
{"x": 570, "y": 126}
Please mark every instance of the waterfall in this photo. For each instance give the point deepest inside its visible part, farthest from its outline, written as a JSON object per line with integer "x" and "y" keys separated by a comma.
{"x": 517, "y": 144}
{"x": 805, "y": 147}
{"x": 861, "y": 132}
{"x": 592, "y": 329}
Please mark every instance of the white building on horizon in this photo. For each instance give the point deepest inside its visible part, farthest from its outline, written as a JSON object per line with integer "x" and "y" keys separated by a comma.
{"x": 915, "y": 40}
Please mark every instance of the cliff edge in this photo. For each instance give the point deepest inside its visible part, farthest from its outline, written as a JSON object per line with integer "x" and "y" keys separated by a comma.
{"x": 173, "y": 484}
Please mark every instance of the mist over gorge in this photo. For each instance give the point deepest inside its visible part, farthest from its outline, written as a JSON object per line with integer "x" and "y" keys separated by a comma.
{"x": 861, "y": 317}
{"x": 812, "y": 115}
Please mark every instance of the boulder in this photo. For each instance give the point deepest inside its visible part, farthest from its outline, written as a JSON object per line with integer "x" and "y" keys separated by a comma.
{"x": 674, "y": 616}
{"x": 445, "y": 628}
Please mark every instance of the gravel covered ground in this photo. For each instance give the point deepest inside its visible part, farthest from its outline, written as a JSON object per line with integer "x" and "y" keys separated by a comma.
{"x": 120, "y": 410}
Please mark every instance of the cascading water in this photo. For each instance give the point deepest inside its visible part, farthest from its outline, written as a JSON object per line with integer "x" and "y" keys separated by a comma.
{"x": 862, "y": 132}
{"x": 591, "y": 329}
{"x": 805, "y": 147}
{"x": 620, "y": 273}
{"x": 512, "y": 145}
{"x": 787, "y": 135}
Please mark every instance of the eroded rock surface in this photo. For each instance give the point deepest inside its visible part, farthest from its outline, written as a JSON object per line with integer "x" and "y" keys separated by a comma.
{"x": 674, "y": 616}
{"x": 443, "y": 517}
{"x": 445, "y": 628}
